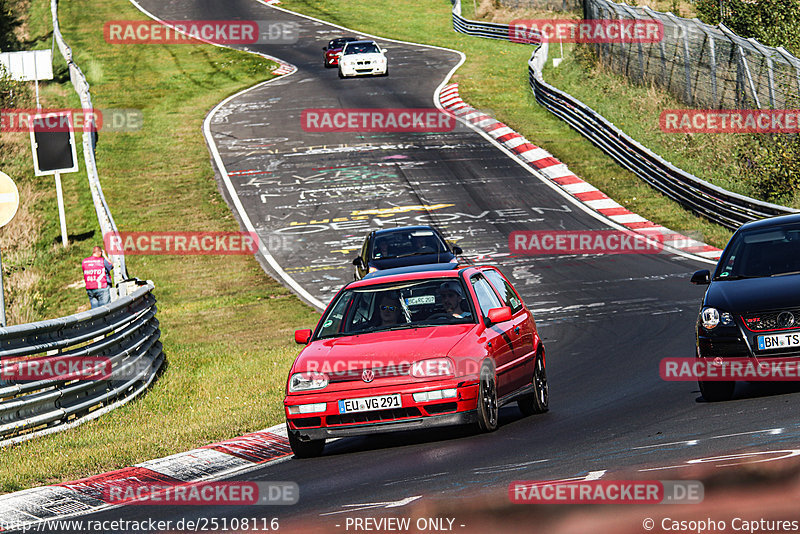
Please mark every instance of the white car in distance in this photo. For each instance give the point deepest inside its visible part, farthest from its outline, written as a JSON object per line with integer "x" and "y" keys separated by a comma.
{"x": 362, "y": 57}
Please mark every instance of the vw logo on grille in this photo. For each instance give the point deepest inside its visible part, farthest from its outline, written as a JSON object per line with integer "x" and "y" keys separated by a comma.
{"x": 367, "y": 375}
{"x": 785, "y": 319}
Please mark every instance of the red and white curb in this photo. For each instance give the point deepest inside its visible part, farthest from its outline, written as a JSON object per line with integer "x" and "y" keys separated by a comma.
{"x": 87, "y": 495}
{"x": 283, "y": 68}
{"x": 558, "y": 173}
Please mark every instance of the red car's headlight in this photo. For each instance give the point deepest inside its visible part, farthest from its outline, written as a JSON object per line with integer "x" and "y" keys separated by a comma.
{"x": 307, "y": 382}
{"x": 432, "y": 367}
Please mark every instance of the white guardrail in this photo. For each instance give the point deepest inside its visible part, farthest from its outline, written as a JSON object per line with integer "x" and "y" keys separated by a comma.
{"x": 81, "y": 86}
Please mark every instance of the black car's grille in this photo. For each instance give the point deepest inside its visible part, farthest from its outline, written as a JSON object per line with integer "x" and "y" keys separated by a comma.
{"x": 373, "y": 417}
{"x": 387, "y": 371}
{"x": 762, "y": 322}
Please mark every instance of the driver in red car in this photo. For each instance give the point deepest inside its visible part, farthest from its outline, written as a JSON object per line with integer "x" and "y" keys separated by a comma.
{"x": 452, "y": 294}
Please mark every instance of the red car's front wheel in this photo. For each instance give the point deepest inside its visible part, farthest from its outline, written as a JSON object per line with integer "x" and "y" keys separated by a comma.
{"x": 305, "y": 449}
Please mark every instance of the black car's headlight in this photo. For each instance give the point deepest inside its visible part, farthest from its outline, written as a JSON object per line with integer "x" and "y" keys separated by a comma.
{"x": 710, "y": 318}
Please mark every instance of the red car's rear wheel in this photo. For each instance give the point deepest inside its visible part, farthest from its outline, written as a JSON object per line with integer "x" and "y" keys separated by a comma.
{"x": 538, "y": 401}
{"x": 487, "y": 399}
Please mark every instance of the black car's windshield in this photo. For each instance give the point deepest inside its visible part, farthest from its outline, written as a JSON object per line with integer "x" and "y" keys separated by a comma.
{"x": 761, "y": 252}
{"x": 411, "y": 304}
{"x": 338, "y": 43}
{"x": 403, "y": 243}
{"x": 361, "y": 48}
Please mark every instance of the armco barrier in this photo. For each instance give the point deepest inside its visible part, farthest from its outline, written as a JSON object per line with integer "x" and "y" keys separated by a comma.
{"x": 715, "y": 203}
{"x": 490, "y": 30}
{"x": 124, "y": 333}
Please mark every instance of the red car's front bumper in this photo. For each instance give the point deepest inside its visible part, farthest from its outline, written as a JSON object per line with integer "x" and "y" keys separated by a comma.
{"x": 332, "y": 60}
{"x": 461, "y": 409}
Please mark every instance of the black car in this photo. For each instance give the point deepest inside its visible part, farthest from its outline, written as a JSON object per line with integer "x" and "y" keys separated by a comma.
{"x": 752, "y": 306}
{"x": 402, "y": 247}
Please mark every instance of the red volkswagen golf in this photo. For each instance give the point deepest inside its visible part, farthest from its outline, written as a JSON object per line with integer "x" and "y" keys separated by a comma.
{"x": 415, "y": 350}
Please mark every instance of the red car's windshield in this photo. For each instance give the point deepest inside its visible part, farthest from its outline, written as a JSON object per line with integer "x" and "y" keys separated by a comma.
{"x": 411, "y": 304}
{"x": 339, "y": 43}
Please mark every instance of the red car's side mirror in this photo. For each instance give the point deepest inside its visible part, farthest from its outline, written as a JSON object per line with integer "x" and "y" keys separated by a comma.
{"x": 498, "y": 315}
{"x": 302, "y": 336}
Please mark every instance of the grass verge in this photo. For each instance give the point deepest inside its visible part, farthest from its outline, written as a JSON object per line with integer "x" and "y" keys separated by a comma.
{"x": 495, "y": 79}
{"x": 226, "y": 326}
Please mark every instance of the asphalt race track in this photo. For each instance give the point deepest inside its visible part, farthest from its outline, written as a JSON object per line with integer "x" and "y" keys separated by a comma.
{"x": 607, "y": 321}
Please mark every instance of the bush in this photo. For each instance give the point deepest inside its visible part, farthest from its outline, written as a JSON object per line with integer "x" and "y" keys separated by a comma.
{"x": 8, "y": 22}
{"x": 773, "y": 22}
{"x": 771, "y": 163}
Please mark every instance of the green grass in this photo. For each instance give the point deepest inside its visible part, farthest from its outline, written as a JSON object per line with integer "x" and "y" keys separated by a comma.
{"x": 226, "y": 326}
{"x": 495, "y": 79}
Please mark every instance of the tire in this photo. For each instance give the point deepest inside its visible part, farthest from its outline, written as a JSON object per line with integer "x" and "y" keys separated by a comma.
{"x": 305, "y": 449}
{"x": 538, "y": 401}
{"x": 487, "y": 399}
{"x": 340, "y": 74}
{"x": 714, "y": 391}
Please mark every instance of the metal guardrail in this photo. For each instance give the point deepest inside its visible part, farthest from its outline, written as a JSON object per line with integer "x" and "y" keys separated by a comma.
{"x": 123, "y": 335}
{"x": 490, "y": 30}
{"x": 104, "y": 216}
{"x": 703, "y": 198}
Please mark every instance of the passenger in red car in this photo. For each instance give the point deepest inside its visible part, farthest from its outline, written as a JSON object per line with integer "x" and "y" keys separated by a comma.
{"x": 389, "y": 307}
